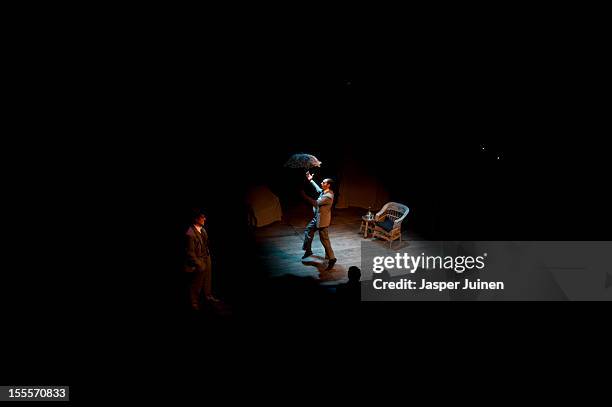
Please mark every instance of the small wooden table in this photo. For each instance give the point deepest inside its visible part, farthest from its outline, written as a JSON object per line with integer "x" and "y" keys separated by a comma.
{"x": 367, "y": 224}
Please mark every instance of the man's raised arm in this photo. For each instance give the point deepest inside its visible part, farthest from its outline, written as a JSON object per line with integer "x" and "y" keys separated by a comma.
{"x": 314, "y": 184}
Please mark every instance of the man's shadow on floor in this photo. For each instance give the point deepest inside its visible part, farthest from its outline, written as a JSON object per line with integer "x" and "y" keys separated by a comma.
{"x": 337, "y": 273}
{"x": 320, "y": 263}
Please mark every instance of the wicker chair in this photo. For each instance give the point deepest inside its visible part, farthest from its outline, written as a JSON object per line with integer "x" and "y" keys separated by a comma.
{"x": 389, "y": 222}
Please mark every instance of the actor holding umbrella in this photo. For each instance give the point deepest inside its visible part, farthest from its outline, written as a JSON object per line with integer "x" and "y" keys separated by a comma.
{"x": 322, "y": 219}
{"x": 322, "y": 208}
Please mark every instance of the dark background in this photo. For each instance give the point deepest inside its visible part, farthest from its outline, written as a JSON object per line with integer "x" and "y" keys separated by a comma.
{"x": 117, "y": 138}
{"x": 423, "y": 116}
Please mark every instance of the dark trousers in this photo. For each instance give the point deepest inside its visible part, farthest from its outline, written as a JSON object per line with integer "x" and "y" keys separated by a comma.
{"x": 323, "y": 235}
{"x": 200, "y": 282}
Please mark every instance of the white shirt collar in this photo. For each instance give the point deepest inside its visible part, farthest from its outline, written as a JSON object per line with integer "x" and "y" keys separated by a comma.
{"x": 198, "y": 228}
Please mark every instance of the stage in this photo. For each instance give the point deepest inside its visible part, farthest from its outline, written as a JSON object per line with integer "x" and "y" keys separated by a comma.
{"x": 280, "y": 246}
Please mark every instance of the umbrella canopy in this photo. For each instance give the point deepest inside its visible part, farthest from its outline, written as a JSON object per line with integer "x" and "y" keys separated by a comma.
{"x": 305, "y": 161}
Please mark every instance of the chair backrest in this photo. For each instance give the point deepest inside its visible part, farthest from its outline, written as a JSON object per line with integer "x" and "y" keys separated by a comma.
{"x": 395, "y": 211}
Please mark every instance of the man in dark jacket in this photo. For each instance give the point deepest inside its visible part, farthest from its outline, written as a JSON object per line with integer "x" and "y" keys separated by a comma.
{"x": 197, "y": 262}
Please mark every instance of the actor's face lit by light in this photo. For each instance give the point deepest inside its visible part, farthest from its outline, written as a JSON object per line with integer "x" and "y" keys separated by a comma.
{"x": 201, "y": 220}
{"x": 324, "y": 184}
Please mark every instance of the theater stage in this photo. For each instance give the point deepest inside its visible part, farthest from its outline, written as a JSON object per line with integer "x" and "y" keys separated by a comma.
{"x": 280, "y": 246}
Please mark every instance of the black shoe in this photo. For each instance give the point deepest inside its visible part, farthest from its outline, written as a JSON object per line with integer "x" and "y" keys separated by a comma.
{"x": 307, "y": 254}
{"x": 331, "y": 264}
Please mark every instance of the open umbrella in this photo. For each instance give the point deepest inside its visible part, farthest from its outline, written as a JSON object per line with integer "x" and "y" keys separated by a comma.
{"x": 305, "y": 161}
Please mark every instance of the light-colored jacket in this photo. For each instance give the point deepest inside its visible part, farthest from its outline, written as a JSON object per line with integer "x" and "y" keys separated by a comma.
{"x": 322, "y": 207}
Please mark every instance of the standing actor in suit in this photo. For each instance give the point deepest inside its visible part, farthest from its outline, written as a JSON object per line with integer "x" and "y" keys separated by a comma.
{"x": 198, "y": 264}
{"x": 322, "y": 208}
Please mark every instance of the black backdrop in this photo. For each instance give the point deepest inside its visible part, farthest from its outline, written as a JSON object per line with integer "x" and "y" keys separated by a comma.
{"x": 220, "y": 128}
{"x": 117, "y": 142}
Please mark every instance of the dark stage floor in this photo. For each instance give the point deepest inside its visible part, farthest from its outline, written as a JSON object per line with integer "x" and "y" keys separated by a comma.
{"x": 280, "y": 246}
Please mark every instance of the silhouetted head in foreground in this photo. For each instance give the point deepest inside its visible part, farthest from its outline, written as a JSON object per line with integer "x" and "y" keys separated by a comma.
{"x": 350, "y": 292}
{"x": 354, "y": 274}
